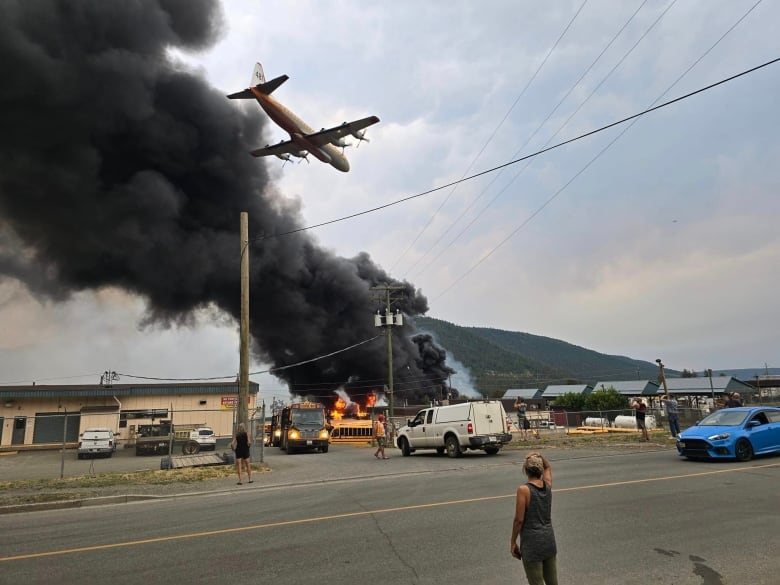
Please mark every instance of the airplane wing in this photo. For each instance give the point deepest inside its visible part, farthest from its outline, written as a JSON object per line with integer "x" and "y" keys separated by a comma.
{"x": 320, "y": 138}
{"x": 285, "y": 147}
{"x": 326, "y": 136}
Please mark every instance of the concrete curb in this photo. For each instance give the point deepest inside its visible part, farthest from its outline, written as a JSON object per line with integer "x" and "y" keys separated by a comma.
{"x": 83, "y": 503}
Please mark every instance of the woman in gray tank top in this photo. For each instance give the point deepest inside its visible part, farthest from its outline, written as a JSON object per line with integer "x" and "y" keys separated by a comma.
{"x": 533, "y": 523}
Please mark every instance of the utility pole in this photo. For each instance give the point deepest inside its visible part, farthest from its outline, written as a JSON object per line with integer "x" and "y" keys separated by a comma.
{"x": 389, "y": 319}
{"x": 242, "y": 409}
{"x": 663, "y": 375}
{"x": 712, "y": 389}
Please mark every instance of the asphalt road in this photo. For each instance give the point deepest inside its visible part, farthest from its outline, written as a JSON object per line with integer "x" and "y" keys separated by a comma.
{"x": 637, "y": 517}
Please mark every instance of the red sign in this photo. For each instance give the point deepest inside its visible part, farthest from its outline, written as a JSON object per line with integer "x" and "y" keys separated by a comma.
{"x": 229, "y": 401}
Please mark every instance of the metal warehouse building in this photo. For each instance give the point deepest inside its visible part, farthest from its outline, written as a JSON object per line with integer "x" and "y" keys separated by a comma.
{"x": 40, "y": 415}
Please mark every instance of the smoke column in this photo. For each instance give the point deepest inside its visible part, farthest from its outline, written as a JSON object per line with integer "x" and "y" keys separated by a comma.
{"x": 122, "y": 168}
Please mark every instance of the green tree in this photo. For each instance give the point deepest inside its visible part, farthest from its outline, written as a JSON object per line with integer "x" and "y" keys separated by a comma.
{"x": 607, "y": 399}
{"x": 570, "y": 401}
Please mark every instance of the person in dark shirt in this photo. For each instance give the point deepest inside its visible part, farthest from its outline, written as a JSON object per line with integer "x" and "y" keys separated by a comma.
{"x": 533, "y": 523}
{"x": 672, "y": 412}
{"x": 641, "y": 410}
{"x": 522, "y": 420}
{"x": 240, "y": 445}
{"x": 734, "y": 401}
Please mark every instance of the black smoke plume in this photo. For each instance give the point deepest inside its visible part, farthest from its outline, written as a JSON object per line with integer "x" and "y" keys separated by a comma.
{"x": 123, "y": 168}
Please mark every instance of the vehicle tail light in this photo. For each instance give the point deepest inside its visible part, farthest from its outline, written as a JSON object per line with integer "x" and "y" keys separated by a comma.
{"x": 470, "y": 428}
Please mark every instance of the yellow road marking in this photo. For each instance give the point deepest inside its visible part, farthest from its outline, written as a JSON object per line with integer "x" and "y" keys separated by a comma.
{"x": 361, "y": 513}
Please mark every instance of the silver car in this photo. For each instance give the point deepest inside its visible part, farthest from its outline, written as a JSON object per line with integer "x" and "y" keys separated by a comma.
{"x": 97, "y": 441}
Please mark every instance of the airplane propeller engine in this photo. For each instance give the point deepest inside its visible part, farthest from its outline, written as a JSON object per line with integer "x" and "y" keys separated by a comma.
{"x": 341, "y": 143}
{"x": 302, "y": 154}
{"x": 285, "y": 157}
{"x": 361, "y": 136}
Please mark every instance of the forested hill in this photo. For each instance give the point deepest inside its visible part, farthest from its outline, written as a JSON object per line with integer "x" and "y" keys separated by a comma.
{"x": 499, "y": 359}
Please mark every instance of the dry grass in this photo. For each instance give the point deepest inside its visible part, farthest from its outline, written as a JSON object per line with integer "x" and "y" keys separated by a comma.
{"x": 90, "y": 486}
{"x": 558, "y": 438}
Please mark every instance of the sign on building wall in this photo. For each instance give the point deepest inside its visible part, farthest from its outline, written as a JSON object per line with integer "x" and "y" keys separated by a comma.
{"x": 228, "y": 402}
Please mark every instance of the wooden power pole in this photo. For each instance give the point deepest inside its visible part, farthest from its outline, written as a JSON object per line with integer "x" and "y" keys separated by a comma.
{"x": 242, "y": 413}
{"x": 388, "y": 323}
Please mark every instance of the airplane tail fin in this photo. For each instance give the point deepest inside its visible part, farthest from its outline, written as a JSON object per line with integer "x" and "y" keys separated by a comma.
{"x": 258, "y": 77}
{"x": 258, "y": 82}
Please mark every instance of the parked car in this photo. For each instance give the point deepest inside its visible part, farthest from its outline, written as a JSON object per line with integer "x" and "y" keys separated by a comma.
{"x": 733, "y": 433}
{"x": 96, "y": 441}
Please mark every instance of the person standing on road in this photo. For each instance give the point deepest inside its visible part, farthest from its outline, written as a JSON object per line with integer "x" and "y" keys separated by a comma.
{"x": 672, "y": 412}
{"x": 533, "y": 523}
{"x": 240, "y": 445}
{"x": 641, "y": 411}
{"x": 380, "y": 436}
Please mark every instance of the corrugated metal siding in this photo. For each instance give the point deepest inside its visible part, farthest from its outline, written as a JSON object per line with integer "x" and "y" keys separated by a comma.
{"x": 91, "y": 391}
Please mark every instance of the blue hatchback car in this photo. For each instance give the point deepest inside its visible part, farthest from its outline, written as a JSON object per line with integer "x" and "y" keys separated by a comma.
{"x": 733, "y": 433}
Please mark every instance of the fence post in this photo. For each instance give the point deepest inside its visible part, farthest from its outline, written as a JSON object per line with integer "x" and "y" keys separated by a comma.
{"x": 64, "y": 440}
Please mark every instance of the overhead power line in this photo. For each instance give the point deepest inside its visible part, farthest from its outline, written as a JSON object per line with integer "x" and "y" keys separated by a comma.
{"x": 269, "y": 370}
{"x": 521, "y": 159}
{"x": 531, "y": 136}
{"x": 633, "y": 119}
{"x": 490, "y": 139}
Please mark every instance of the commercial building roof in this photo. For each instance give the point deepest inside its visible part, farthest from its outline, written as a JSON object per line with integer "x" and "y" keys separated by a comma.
{"x": 629, "y": 387}
{"x": 556, "y": 390}
{"x": 525, "y": 393}
{"x": 91, "y": 390}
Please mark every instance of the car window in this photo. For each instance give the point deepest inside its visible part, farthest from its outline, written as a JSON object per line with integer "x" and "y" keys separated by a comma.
{"x": 760, "y": 418}
{"x": 724, "y": 418}
{"x": 419, "y": 419}
{"x": 773, "y": 415}
{"x": 430, "y": 416}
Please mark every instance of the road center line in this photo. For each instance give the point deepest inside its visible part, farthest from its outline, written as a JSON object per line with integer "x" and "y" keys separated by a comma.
{"x": 130, "y": 543}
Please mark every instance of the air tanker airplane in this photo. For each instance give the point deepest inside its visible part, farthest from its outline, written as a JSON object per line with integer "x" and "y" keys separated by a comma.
{"x": 303, "y": 140}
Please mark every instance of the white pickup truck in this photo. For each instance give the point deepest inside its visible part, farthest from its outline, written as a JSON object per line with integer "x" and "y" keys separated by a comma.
{"x": 456, "y": 428}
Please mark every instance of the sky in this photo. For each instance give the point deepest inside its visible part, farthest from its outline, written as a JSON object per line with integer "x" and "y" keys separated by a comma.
{"x": 656, "y": 238}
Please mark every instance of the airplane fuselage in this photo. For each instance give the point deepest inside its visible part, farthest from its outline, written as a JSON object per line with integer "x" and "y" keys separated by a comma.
{"x": 298, "y": 130}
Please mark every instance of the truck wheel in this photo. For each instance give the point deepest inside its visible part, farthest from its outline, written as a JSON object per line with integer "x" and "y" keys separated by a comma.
{"x": 403, "y": 445}
{"x": 491, "y": 450}
{"x": 440, "y": 450}
{"x": 452, "y": 446}
{"x": 289, "y": 450}
{"x": 190, "y": 448}
{"x": 324, "y": 449}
